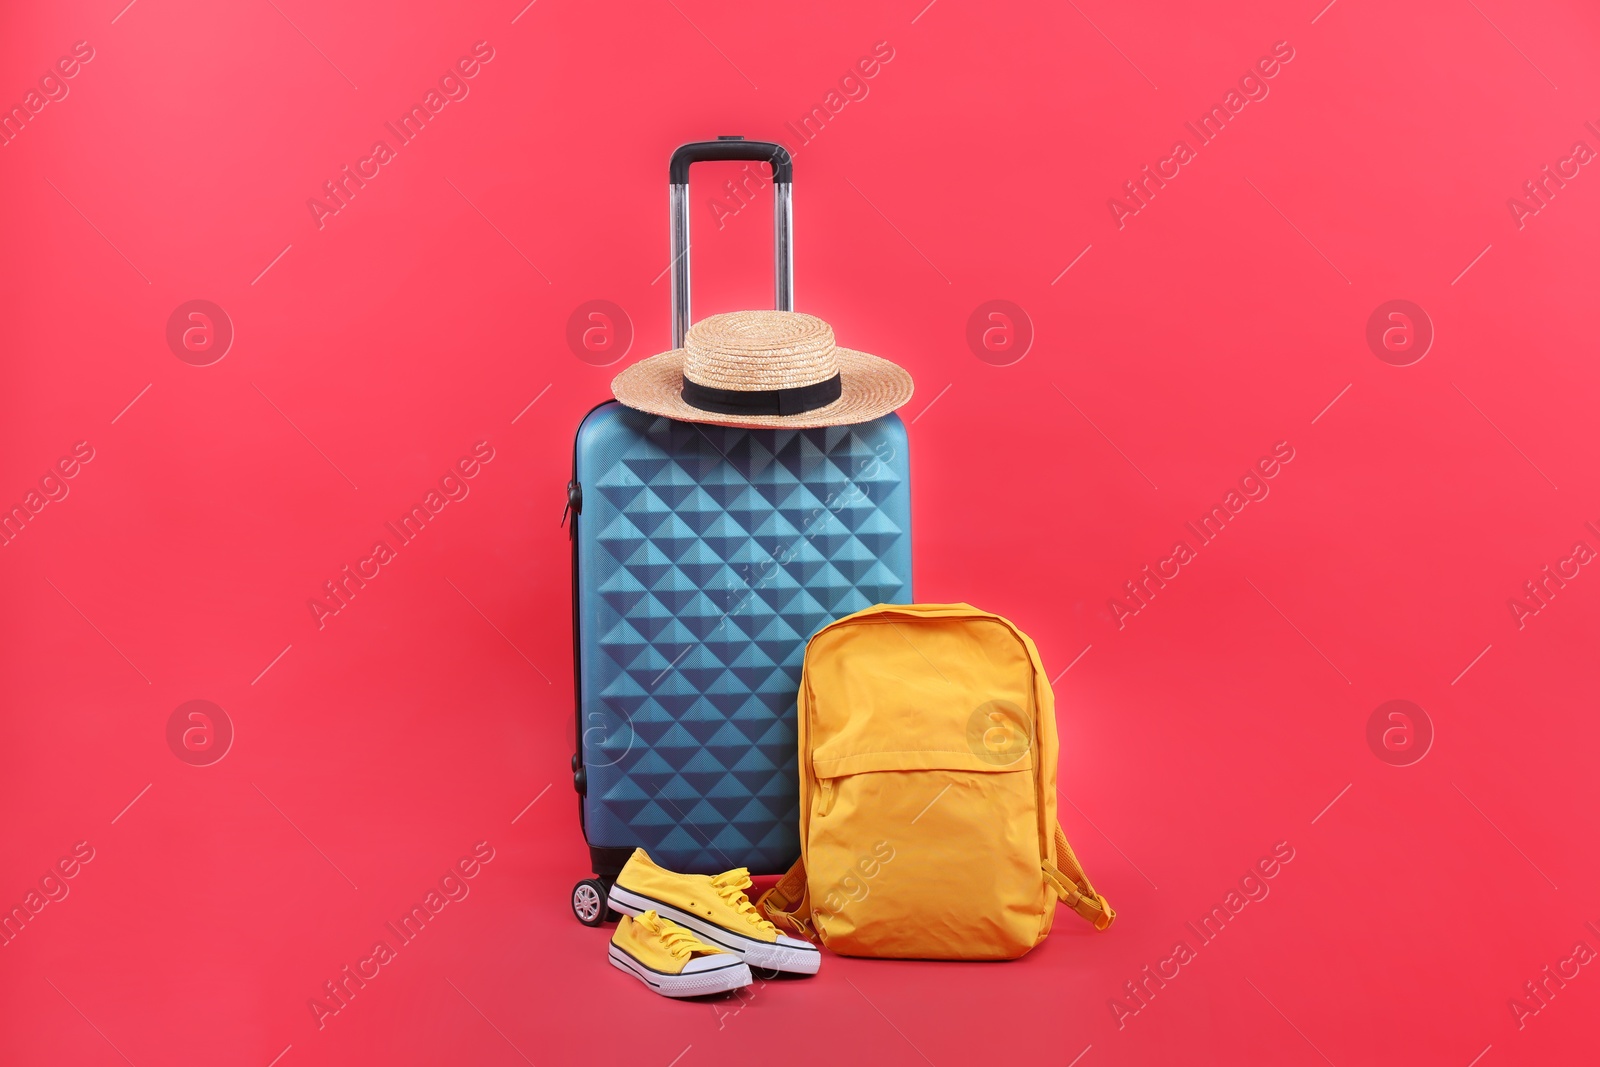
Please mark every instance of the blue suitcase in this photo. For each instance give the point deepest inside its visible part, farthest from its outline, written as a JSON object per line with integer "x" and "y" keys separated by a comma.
{"x": 703, "y": 559}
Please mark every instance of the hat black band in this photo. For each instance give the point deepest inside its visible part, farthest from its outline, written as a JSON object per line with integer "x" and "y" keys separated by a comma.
{"x": 794, "y": 401}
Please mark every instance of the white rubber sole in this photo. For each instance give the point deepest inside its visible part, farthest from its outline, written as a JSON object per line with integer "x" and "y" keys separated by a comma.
{"x": 789, "y": 955}
{"x": 695, "y": 984}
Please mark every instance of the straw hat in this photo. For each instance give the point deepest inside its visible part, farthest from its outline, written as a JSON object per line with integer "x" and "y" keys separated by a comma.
{"x": 764, "y": 369}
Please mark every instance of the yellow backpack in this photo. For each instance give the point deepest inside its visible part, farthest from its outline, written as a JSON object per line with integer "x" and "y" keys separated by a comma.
{"x": 928, "y": 791}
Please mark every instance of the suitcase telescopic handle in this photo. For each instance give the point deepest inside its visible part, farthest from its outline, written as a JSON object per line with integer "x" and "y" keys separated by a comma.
{"x": 735, "y": 149}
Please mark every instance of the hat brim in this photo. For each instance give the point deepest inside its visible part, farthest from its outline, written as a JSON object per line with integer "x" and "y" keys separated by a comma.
{"x": 873, "y": 387}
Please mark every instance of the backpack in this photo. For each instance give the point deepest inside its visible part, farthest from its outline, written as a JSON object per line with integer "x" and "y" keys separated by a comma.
{"x": 928, "y": 791}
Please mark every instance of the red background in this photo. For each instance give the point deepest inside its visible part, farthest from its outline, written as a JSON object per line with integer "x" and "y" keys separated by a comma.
{"x": 427, "y": 314}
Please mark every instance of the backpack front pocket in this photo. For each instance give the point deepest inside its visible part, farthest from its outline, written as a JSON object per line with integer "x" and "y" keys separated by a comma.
{"x": 903, "y": 840}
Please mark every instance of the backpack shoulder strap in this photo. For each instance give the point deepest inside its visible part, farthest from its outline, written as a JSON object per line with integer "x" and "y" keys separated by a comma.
{"x": 1072, "y": 885}
{"x": 788, "y": 904}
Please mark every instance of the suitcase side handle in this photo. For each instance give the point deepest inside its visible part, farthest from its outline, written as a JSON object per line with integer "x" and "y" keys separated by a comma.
{"x": 734, "y": 149}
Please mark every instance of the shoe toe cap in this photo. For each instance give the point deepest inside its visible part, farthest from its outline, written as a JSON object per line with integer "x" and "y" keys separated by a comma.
{"x": 715, "y": 962}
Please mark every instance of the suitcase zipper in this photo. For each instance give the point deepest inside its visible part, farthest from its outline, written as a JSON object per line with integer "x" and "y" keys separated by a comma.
{"x": 574, "y": 507}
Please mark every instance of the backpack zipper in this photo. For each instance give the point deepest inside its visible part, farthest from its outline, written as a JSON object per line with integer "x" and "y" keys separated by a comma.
{"x": 825, "y": 803}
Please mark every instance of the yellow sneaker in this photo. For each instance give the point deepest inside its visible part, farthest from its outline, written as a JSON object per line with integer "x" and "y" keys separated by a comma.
{"x": 716, "y": 909}
{"x": 671, "y": 960}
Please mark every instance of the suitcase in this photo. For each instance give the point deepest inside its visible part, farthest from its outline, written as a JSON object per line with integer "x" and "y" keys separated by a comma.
{"x": 703, "y": 559}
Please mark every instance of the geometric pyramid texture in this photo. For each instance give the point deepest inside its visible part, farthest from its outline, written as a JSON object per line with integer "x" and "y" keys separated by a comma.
{"x": 707, "y": 557}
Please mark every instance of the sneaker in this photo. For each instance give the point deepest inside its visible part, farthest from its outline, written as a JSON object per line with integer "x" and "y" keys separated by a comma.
{"x": 716, "y": 909}
{"x": 671, "y": 960}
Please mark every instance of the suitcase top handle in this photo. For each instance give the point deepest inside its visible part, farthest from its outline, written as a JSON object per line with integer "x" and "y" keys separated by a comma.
{"x": 735, "y": 149}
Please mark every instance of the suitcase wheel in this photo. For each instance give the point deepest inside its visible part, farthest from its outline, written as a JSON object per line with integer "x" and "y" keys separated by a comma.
{"x": 589, "y": 901}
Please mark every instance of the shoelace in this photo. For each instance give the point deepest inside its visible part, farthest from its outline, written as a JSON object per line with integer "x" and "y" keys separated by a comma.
{"x": 730, "y": 885}
{"x": 680, "y": 943}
